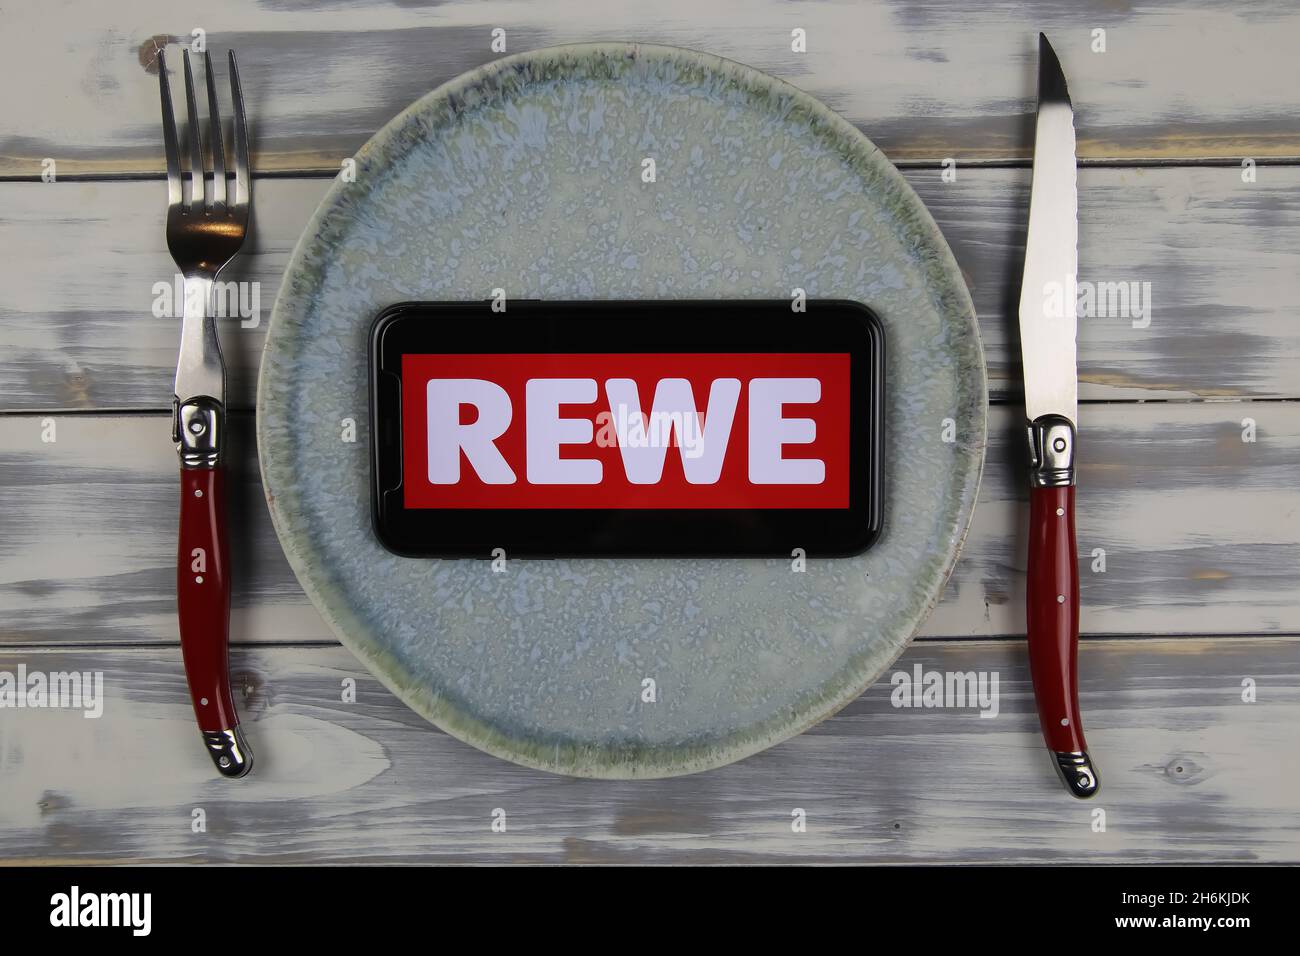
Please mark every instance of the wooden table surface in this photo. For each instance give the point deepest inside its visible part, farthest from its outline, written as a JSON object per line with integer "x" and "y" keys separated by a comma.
{"x": 1190, "y": 449}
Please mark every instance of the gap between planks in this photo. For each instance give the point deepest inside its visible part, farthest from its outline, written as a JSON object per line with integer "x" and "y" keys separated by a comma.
{"x": 317, "y": 172}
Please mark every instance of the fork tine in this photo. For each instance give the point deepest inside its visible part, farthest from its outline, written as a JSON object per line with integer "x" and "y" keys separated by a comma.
{"x": 241, "y": 137}
{"x": 192, "y": 128}
{"x": 218, "y": 151}
{"x": 170, "y": 149}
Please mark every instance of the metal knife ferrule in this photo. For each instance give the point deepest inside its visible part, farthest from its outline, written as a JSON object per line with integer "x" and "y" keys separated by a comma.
{"x": 229, "y": 751}
{"x": 1078, "y": 773}
{"x": 1051, "y": 452}
{"x": 198, "y": 429}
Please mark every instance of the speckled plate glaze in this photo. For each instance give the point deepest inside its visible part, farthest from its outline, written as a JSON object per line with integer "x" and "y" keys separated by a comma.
{"x": 526, "y": 175}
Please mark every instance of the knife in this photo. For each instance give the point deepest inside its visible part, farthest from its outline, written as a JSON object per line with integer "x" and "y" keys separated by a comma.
{"x": 1048, "y": 322}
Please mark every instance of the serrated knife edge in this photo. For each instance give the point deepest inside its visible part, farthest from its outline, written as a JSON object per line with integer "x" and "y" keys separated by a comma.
{"x": 1048, "y": 319}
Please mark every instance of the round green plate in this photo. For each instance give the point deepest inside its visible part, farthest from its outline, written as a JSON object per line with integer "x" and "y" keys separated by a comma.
{"x": 526, "y": 175}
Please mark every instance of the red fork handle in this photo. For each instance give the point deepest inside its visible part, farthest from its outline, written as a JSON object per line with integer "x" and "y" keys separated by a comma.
{"x": 1053, "y": 619}
{"x": 203, "y": 606}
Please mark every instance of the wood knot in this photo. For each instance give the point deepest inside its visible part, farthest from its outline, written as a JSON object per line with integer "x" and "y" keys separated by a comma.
{"x": 1185, "y": 769}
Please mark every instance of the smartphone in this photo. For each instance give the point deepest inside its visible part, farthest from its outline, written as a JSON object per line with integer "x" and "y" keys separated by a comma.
{"x": 546, "y": 429}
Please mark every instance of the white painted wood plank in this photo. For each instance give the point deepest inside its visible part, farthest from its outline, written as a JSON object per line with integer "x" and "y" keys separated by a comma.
{"x": 1221, "y": 258}
{"x": 926, "y": 79}
{"x": 1201, "y": 531}
{"x": 1190, "y": 773}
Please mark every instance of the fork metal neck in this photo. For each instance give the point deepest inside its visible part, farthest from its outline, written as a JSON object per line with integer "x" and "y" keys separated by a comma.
{"x": 200, "y": 370}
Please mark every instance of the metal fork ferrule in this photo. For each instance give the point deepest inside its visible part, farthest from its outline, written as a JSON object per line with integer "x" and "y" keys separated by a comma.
{"x": 197, "y": 427}
{"x": 1051, "y": 452}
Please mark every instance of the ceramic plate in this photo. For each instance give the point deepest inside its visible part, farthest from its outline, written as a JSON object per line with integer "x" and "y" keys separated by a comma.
{"x": 526, "y": 175}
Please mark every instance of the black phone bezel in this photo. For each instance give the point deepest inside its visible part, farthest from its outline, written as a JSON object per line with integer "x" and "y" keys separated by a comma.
{"x": 691, "y": 325}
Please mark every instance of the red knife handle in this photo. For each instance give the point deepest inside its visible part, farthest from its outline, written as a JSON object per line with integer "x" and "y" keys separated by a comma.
{"x": 203, "y": 603}
{"x": 1052, "y": 610}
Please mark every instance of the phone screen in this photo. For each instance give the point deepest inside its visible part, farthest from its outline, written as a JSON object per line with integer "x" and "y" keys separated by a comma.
{"x": 626, "y": 428}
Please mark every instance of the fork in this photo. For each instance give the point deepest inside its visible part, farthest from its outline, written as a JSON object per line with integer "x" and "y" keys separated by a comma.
{"x": 206, "y": 223}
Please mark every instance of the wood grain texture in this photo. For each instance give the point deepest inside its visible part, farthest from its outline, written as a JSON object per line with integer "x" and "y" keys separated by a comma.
{"x": 1190, "y": 773}
{"x": 1219, "y": 254}
{"x": 1201, "y": 530}
{"x": 926, "y": 79}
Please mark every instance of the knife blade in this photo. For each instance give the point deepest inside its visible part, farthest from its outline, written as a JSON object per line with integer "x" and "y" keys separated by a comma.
{"x": 1048, "y": 325}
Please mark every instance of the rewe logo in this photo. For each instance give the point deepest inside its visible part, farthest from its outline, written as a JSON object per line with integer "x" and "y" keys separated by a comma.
{"x": 641, "y": 430}
{"x": 643, "y": 459}
{"x": 75, "y": 908}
